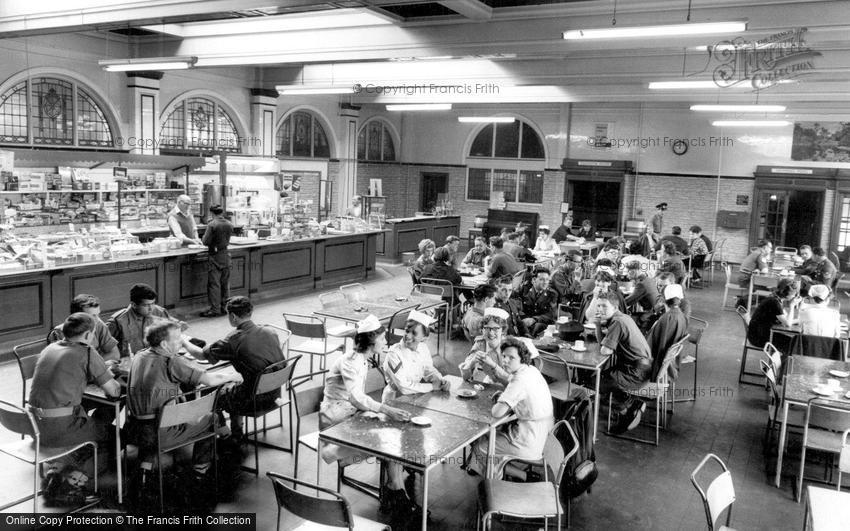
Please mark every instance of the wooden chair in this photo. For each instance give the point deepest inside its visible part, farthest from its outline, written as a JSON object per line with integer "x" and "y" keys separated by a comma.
{"x": 730, "y": 285}
{"x": 823, "y": 430}
{"x": 747, "y": 346}
{"x": 326, "y": 508}
{"x": 20, "y": 421}
{"x": 535, "y": 500}
{"x": 315, "y": 343}
{"x": 718, "y": 497}
{"x": 696, "y": 328}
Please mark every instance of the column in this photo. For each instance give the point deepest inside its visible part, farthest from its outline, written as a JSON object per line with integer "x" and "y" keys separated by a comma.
{"x": 347, "y": 178}
{"x": 143, "y": 89}
{"x": 261, "y": 137}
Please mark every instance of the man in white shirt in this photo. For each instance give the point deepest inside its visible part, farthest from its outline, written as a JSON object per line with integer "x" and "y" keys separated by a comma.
{"x": 182, "y": 223}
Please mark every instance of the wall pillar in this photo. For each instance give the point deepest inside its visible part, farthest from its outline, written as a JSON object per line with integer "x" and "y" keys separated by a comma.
{"x": 261, "y": 139}
{"x": 143, "y": 90}
{"x": 347, "y": 176}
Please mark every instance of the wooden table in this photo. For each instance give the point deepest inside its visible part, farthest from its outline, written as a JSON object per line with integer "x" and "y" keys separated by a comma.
{"x": 802, "y": 374}
{"x": 416, "y": 447}
{"x": 769, "y": 281}
{"x": 826, "y": 510}
{"x": 590, "y": 360}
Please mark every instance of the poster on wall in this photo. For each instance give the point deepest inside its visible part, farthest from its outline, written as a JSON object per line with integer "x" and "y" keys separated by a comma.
{"x": 497, "y": 200}
{"x": 601, "y": 136}
{"x": 821, "y": 141}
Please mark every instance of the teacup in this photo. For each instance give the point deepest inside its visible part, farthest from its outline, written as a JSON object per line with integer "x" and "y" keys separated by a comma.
{"x": 579, "y": 345}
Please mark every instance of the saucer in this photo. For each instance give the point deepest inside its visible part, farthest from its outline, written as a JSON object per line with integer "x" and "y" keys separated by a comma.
{"x": 467, "y": 393}
{"x": 839, "y": 374}
{"x": 420, "y": 421}
{"x": 579, "y": 349}
{"x": 823, "y": 391}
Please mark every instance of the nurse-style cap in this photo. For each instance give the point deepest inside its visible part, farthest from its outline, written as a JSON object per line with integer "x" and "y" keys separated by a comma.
{"x": 369, "y": 324}
{"x": 423, "y": 318}
{"x": 497, "y": 312}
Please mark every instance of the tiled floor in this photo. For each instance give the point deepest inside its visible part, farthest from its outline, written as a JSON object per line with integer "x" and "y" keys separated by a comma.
{"x": 639, "y": 486}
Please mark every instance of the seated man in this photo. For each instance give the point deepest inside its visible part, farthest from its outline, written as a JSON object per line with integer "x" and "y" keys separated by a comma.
{"x": 441, "y": 270}
{"x": 565, "y": 231}
{"x": 539, "y": 303}
{"x": 822, "y": 271}
{"x": 631, "y": 365}
{"x": 484, "y": 296}
{"x": 603, "y": 264}
{"x": 501, "y": 263}
{"x": 645, "y": 243}
{"x": 102, "y": 340}
{"x": 128, "y": 326}
{"x": 676, "y": 239}
{"x": 476, "y": 255}
{"x": 670, "y": 262}
{"x": 251, "y": 349}
{"x": 645, "y": 292}
{"x": 755, "y": 262}
{"x": 566, "y": 281}
{"x": 156, "y": 375}
{"x": 586, "y": 231}
{"x": 671, "y": 327}
{"x": 62, "y": 372}
{"x": 511, "y": 305}
{"x": 603, "y": 284}
{"x": 452, "y": 244}
{"x": 515, "y": 248}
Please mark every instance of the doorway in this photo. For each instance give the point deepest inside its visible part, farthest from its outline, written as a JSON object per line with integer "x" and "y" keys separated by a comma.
{"x": 599, "y": 201}
{"x": 790, "y": 218}
{"x": 433, "y": 184}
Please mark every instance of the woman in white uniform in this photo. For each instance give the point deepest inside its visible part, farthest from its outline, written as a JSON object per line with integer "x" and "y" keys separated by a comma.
{"x": 483, "y": 364}
{"x": 544, "y": 242}
{"x": 345, "y": 395}
{"x": 408, "y": 366}
{"x": 527, "y": 395}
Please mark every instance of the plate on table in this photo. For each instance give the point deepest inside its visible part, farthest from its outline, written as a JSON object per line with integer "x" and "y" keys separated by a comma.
{"x": 467, "y": 393}
{"x": 401, "y": 299}
{"x": 823, "y": 391}
{"x": 420, "y": 421}
{"x": 197, "y": 246}
{"x": 839, "y": 374}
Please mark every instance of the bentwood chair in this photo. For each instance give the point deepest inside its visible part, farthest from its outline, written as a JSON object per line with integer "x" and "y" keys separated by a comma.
{"x": 533, "y": 500}
{"x": 326, "y": 509}
{"x": 395, "y": 328}
{"x": 20, "y": 421}
{"x": 353, "y": 292}
{"x": 718, "y": 497}
{"x": 747, "y": 346}
{"x": 824, "y": 430}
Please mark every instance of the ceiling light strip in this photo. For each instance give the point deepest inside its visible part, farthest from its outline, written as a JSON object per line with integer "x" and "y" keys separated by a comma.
{"x": 750, "y": 123}
{"x": 738, "y": 108}
{"x": 665, "y": 30}
{"x": 420, "y": 107}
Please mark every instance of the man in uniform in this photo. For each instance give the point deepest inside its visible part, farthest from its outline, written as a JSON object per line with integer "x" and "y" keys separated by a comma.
{"x": 156, "y": 376}
{"x": 63, "y": 370}
{"x": 504, "y": 290}
{"x": 251, "y": 349}
{"x": 539, "y": 303}
{"x": 182, "y": 223}
{"x": 657, "y": 221}
{"x": 102, "y": 340}
{"x": 217, "y": 238}
{"x": 501, "y": 263}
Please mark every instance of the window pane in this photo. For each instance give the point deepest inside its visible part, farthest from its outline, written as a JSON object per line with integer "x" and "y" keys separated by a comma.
{"x": 13, "y": 114}
{"x": 389, "y": 148}
{"x": 51, "y": 112}
{"x": 201, "y": 123}
{"x": 531, "y": 187}
{"x": 321, "y": 148}
{"x": 284, "y": 138}
{"x": 228, "y": 138}
{"x": 505, "y": 181}
{"x": 844, "y": 224}
{"x": 507, "y": 140}
{"x": 301, "y": 134}
{"x": 374, "y": 150}
{"x": 532, "y": 147}
{"x": 482, "y": 146}
{"x": 478, "y": 184}
{"x": 361, "y": 145}
{"x": 173, "y": 134}
{"x": 92, "y": 127}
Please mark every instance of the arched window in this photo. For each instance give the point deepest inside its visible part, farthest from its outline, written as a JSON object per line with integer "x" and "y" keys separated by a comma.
{"x": 49, "y": 111}
{"x": 375, "y": 142}
{"x": 301, "y": 135}
{"x": 199, "y": 124}
{"x": 509, "y": 158}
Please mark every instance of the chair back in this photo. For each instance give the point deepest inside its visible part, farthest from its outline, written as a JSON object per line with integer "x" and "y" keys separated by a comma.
{"x": 720, "y": 494}
{"x": 414, "y": 276}
{"x": 395, "y": 328}
{"x": 745, "y": 317}
{"x": 283, "y": 335}
{"x": 517, "y": 280}
{"x": 561, "y": 445}
{"x": 774, "y": 357}
{"x": 770, "y": 377}
{"x": 844, "y": 457}
{"x": 428, "y": 290}
{"x": 448, "y": 287}
{"x": 696, "y": 327}
{"x": 176, "y": 412}
{"x": 276, "y": 375}
{"x": 331, "y": 510}
{"x": 826, "y": 415}
{"x": 307, "y": 326}
{"x": 819, "y": 347}
{"x": 353, "y": 292}
{"x": 17, "y": 420}
{"x": 671, "y": 354}
{"x": 785, "y": 250}
{"x": 27, "y": 355}
{"x": 728, "y": 270}
{"x": 332, "y": 298}
{"x": 834, "y": 284}
{"x": 307, "y": 401}
{"x": 553, "y": 367}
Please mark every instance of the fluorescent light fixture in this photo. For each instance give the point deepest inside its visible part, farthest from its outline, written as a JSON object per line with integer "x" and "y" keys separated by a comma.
{"x": 420, "y": 107}
{"x": 315, "y": 89}
{"x": 436, "y": 58}
{"x": 486, "y": 119}
{"x": 666, "y": 30}
{"x": 148, "y": 63}
{"x": 738, "y": 108}
{"x": 707, "y": 84}
{"x": 750, "y": 123}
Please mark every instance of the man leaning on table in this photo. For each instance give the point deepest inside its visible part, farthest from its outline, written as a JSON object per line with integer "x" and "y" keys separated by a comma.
{"x": 182, "y": 223}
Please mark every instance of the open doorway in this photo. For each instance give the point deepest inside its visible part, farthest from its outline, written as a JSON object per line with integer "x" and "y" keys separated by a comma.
{"x": 433, "y": 184}
{"x": 790, "y": 218}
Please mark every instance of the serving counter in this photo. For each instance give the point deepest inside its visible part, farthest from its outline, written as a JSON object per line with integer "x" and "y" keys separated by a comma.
{"x": 404, "y": 234}
{"x": 33, "y": 301}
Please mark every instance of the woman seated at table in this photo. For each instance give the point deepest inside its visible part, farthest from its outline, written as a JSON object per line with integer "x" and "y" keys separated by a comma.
{"x": 345, "y": 395}
{"x": 483, "y": 364}
{"x": 527, "y": 395}
{"x": 779, "y": 308}
{"x": 817, "y": 318}
{"x": 475, "y": 256}
{"x": 426, "y": 256}
{"x": 586, "y": 231}
{"x": 408, "y": 366}
{"x": 544, "y": 242}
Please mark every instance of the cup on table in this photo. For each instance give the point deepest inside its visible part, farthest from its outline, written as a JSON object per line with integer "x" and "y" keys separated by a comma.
{"x": 833, "y": 383}
{"x": 563, "y": 319}
{"x": 550, "y": 331}
{"x": 579, "y": 344}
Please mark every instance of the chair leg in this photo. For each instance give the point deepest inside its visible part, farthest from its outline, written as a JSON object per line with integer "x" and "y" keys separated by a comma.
{"x": 295, "y": 461}
{"x": 35, "y": 487}
{"x": 802, "y": 469}
{"x": 743, "y": 364}
{"x": 257, "y": 448}
{"x": 159, "y": 474}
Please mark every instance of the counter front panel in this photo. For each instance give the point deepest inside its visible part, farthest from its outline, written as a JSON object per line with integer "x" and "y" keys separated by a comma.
{"x": 24, "y": 305}
{"x": 404, "y": 234}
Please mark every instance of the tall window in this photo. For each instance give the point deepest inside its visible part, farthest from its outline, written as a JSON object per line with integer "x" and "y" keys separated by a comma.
{"x": 301, "y": 135}
{"x": 199, "y": 124}
{"x": 506, "y": 158}
{"x": 844, "y": 224}
{"x": 375, "y": 142}
{"x": 49, "y": 111}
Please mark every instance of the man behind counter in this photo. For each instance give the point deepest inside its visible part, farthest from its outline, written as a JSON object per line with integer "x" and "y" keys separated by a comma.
{"x": 182, "y": 223}
{"x": 217, "y": 239}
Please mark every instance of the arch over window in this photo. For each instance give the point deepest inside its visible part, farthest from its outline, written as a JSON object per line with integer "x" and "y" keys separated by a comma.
{"x": 508, "y": 158}
{"x": 53, "y": 111}
{"x": 375, "y": 141}
{"x": 301, "y": 134}
{"x": 199, "y": 123}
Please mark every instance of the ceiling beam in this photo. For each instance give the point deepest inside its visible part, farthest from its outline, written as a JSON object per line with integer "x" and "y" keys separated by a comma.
{"x": 472, "y": 9}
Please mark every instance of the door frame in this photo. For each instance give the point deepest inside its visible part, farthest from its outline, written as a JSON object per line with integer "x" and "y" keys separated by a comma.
{"x": 784, "y": 188}
{"x": 422, "y": 176}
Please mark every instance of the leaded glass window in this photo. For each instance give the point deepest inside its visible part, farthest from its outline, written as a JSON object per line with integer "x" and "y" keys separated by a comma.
{"x": 375, "y": 142}
{"x": 301, "y": 135}
{"x": 199, "y": 124}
